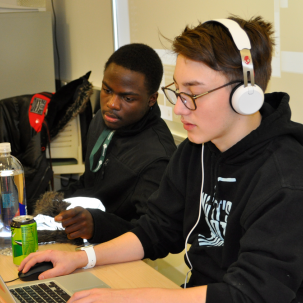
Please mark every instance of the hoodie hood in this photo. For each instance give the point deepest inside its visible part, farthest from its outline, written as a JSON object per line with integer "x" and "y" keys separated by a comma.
{"x": 276, "y": 122}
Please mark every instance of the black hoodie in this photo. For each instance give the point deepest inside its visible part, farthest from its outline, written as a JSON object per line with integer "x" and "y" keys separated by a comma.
{"x": 135, "y": 161}
{"x": 248, "y": 244}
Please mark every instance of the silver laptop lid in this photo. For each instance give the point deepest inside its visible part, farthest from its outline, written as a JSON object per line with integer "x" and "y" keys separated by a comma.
{"x": 5, "y": 295}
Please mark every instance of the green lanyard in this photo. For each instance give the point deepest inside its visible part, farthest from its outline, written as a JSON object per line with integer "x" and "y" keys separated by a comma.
{"x": 104, "y": 139}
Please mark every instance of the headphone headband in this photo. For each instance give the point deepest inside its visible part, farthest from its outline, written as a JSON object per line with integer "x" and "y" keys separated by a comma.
{"x": 237, "y": 32}
{"x": 242, "y": 42}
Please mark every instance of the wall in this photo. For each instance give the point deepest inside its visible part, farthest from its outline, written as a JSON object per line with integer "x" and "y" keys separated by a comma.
{"x": 169, "y": 17}
{"x": 26, "y": 54}
{"x": 84, "y": 36}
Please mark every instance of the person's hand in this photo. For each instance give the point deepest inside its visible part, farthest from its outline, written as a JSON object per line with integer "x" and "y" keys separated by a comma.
{"x": 97, "y": 295}
{"x": 78, "y": 223}
{"x": 64, "y": 262}
{"x": 147, "y": 295}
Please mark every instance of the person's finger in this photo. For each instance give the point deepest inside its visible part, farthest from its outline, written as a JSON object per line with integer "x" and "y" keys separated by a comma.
{"x": 70, "y": 221}
{"x": 66, "y": 214}
{"x": 32, "y": 259}
{"x": 83, "y": 229}
{"x": 81, "y": 216}
{"x": 102, "y": 295}
{"x": 75, "y": 231}
{"x": 58, "y": 218}
{"x": 77, "y": 234}
{"x": 79, "y": 295}
{"x": 54, "y": 272}
{"x": 77, "y": 215}
{"x": 23, "y": 262}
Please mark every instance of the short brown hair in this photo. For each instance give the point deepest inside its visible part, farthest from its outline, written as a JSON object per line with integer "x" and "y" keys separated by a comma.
{"x": 212, "y": 44}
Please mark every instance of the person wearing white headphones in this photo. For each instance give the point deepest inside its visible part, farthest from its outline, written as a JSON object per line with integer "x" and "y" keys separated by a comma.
{"x": 233, "y": 189}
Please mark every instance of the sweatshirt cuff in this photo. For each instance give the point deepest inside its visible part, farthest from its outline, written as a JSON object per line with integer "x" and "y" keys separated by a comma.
{"x": 218, "y": 292}
{"x": 107, "y": 226}
{"x": 96, "y": 213}
{"x": 145, "y": 241}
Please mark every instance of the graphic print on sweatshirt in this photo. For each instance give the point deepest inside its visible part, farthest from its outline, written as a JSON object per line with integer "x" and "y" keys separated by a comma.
{"x": 216, "y": 214}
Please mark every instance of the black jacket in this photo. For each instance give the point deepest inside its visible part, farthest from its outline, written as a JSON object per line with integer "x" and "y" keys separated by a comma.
{"x": 133, "y": 167}
{"x": 248, "y": 244}
{"x": 28, "y": 144}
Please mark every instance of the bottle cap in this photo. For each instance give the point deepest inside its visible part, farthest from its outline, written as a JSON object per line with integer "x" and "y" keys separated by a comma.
{"x": 5, "y": 147}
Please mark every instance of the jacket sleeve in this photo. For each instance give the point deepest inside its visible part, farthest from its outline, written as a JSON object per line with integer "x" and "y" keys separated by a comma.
{"x": 108, "y": 225}
{"x": 160, "y": 230}
{"x": 269, "y": 267}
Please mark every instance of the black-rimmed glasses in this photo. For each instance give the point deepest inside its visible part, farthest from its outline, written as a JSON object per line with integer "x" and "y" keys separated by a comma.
{"x": 187, "y": 99}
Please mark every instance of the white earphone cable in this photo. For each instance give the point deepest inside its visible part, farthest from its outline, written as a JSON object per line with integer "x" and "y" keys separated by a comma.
{"x": 200, "y": 208}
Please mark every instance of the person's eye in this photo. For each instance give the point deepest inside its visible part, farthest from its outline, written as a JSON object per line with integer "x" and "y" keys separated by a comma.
{"x": 106, "y": 90}
{"x": 128, "y": 99}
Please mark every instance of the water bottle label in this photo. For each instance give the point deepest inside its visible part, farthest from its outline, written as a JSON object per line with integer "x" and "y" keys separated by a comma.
{"x": 8, "y": 200}
{"x": 22, "y": 209}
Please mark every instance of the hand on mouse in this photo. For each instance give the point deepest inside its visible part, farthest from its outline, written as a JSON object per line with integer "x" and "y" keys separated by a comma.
{"x": 64, "y": 262}
{"x": 78, "y": 223}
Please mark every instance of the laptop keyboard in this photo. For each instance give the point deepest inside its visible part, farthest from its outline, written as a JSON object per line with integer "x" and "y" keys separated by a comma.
{"x": 43, "y": 292}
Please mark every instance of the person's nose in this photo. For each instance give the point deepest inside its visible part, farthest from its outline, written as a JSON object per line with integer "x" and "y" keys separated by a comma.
{"x": 180, "y": 109}
{"x": 114, "y": 102}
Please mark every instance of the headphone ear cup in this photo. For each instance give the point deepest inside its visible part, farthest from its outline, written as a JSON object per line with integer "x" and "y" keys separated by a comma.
{"x": 246, "y": 100}
{"x": 231, "y": 96}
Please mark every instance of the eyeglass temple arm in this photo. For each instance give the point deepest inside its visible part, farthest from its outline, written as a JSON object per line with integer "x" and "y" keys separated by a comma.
{"x": 229, "y": 83}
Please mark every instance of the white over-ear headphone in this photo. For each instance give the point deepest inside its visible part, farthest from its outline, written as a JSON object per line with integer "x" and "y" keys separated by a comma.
{"x": 247, "y": 98}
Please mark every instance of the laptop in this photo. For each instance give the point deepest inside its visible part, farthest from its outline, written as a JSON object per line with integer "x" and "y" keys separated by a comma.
{"x": 58, "y": 289}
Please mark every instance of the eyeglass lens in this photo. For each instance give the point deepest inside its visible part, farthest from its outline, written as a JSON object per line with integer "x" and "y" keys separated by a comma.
{"x": 187, "y": 101}
{"x": 172, "y": 98}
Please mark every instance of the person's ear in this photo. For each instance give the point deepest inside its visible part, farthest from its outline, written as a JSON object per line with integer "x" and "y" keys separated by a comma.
{"x": 153, "y": 99}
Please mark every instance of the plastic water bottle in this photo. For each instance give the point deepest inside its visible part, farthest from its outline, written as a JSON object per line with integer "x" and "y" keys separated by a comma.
{"x": 12, "y": 194}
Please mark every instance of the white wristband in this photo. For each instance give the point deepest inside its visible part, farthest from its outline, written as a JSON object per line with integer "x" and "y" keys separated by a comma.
{"x": 91, "y": 256}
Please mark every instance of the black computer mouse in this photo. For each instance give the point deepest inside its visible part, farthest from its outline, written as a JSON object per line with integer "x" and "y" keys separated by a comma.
{"x": 35, "y": 271}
